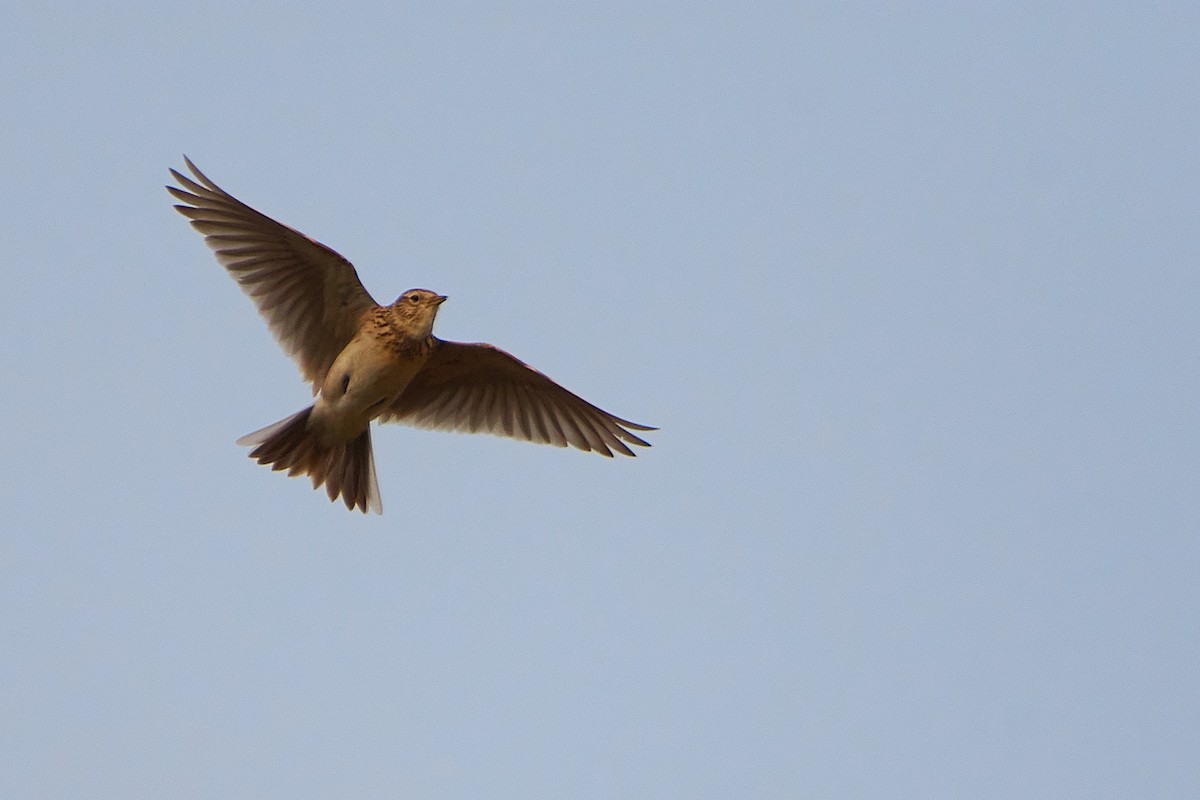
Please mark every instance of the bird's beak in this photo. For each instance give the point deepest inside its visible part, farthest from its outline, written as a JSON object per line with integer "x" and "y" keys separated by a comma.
{"x": 441, "y": 298}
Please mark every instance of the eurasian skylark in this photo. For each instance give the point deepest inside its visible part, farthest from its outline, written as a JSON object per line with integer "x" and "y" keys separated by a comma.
{"x": 366, "y": 361}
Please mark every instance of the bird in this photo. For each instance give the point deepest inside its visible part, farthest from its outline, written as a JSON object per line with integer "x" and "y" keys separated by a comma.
{"x": 369, "y": 362}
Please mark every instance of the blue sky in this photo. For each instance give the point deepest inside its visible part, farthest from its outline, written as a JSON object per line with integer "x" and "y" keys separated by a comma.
{"x": 911, "y": 292}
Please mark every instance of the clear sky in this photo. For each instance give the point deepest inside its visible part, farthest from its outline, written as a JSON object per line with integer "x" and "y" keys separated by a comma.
{"x": 911, "y": 290}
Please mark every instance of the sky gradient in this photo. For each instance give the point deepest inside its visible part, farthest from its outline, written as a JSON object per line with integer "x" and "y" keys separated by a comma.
{"x": 912, "y": 294}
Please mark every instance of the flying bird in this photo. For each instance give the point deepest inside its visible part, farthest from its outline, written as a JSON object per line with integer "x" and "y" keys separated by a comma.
{"x": 370, "y": 362}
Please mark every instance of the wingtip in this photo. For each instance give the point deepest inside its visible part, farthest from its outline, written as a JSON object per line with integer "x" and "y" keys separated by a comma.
{"x": 199, "y": 179}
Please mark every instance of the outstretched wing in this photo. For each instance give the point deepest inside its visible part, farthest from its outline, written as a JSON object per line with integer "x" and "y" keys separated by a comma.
{"x": 478, "y": 388}
{"x": 310, "y": 296}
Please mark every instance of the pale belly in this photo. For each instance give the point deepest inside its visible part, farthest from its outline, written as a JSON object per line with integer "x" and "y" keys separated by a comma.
{"x": 363, "y": 381}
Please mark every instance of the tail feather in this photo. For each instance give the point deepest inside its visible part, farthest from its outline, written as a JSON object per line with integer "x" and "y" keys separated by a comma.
{"x": 346, "y": 471}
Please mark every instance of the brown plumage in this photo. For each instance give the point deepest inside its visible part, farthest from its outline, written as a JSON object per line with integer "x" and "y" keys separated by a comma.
{"x": 366, "y": 361}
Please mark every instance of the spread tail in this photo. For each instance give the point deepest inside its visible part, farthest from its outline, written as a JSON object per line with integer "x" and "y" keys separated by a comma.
{"x": 346, "y": 470}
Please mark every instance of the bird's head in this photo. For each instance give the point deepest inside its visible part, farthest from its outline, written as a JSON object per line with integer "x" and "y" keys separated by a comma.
{"x": 418, "y": 308}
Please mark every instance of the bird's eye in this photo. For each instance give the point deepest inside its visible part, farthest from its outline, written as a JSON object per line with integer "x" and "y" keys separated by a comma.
{"x": 412, "y": 298}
